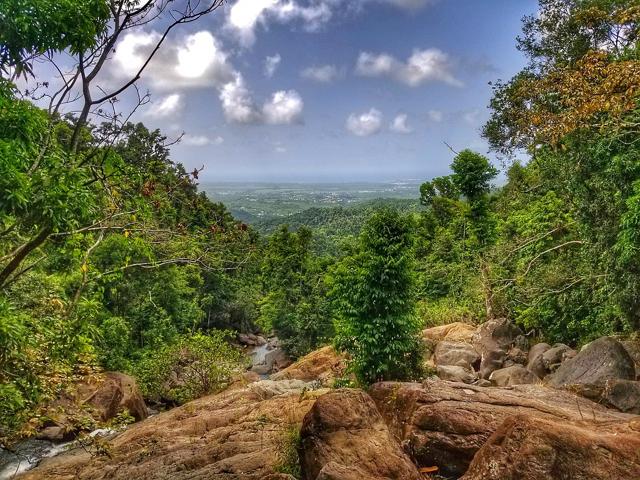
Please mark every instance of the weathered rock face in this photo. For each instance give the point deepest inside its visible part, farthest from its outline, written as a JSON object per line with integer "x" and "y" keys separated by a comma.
{"x": 514, "y": 375}
{"x": 633, "y": 349}
{"x": 445, "y": 424}
{"x": 343, "y": 437}
{"x": 453, "y": 373}
{"x": 323, "y": 365}
{"x": 492, "y": 341}
{"x": 97, "y": 399}
{"x": 251, "y": 339}
{"x": 452, "y": 332}
{"x": 603, "y": 359}
{"x": 456, "y": 353}
{"x": 236, "y": 434}
{"x": 526, "y": 447}
{"x": 534, "y": 359}
{"x": 553, "y": 357}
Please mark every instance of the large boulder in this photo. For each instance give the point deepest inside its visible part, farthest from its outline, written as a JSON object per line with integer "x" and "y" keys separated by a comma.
{"x": 454, "y": 373}
{"x": 602, "y": 360}
{"x": 527, "y": 447}
{"x": 553, "y": 357}
{"x": 492, "y": 341}
{"x": 633, "y": 349}
{"x": 118, "y": 392}
{"x": 323, "y": 365}
{"x": 238, "y": 434}
{"x": 343, "y": 437}
{"x": 452, "y": 332}
{"x": 444, "y": 424}
{"x": 456, "y": 353}
{"x": 535, "y": 362}
{"x": 514, "y": 375}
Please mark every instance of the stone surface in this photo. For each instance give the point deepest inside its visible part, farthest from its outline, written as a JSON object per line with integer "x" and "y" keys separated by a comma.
{"x": 492, "y": 341}
{"x": 452, "y": 332}
{"x": 514, "y": 375}
{"x": 444, "y": 424}
{"x": 323, "y": 365}
{"x": 526, "y": 447}
{"x": 234, "y": 435}
{"x": 517, "y": 356}
{"x": 454, "y": 373}
{"x": 251, "y": 339}
{"x": 553, "y": 357}
{"x": 343, "y": 437}
{"x": 633, "y": 349}
{"x": 534, "y": 359}
{"x": 603, "y": 359}
{"x": 456, "y": 353}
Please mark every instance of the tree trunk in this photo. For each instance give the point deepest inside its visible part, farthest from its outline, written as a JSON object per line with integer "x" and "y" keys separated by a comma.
{"x": 29, "y": 247}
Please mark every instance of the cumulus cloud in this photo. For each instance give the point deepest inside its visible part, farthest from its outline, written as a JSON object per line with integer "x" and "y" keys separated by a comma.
{"x": 400, "y": 124}
{"x": 245, "y": 15}
{"x": 365, "y": 124}
{"x": 410, "y": 4}
{"x": 422, "y": 66}
{"x": 435, "y": 116}
{"x": 271, "y": 64}
{"x": 237, "y": 102}
{"x": 284, "y": 107}
{"x": 201, "y": 140}
{"x": 166, "y": 106}
{"x": 196, "y": 60}
{"x": 321, "y": 73}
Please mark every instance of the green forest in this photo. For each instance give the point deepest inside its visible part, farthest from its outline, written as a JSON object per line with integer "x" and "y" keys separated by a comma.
{"x": 111, "y": 259}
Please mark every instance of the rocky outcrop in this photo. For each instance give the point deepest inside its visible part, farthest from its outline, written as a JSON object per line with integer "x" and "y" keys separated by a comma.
{"x": 492, "y": 341}
{"x": 602, "y": 360}
{"x": 445, "y": 424}
{"x": 323, "y": 365}
{"x": 95, "y": 400}
{"x": 237, "y": 434}
{"x": 528, "y": 447}
{"x": 633, "y": 349}
{"x": 343, "y": 437}
{"x": 452, "y": 332}
{"x": 514, "y": 375}
{"x": 535, "y": 363}
{"x": 456, "y": 353}
{"x": 454, "y": 373}
{"x": 553, "y": 357}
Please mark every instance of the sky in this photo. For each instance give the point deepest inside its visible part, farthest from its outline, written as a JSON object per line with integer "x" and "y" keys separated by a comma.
{"x": 327, "y": 90}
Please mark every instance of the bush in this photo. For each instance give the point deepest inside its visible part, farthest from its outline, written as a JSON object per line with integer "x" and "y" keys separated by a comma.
{"x": 194, "y": 366}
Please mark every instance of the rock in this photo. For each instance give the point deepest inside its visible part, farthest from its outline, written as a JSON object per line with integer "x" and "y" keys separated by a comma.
{"x": 445, "y": 424}
{"x": 234, "y": 435}
{"x": 534, "y": 360}
{"x": 530, "y": 448}
{"x": 452, "y": 332}
{"x": 279, "y": 476}
{"x": 633, "y": 349}
{"x": 623, "y": 395}
{"x": 517, "y": 356}
{"x": 456, "y": 353}
{"x": 343, "y": 437}
{"x": 603, "y": 359}
{"x": 251, "y": 340}
{"x": 277, "y": 360}
{"x": 553, "y": 357}
{"x": 118, "y": 392}
{"x": 492, "y": 340}
{"x": 514, "y": 375}
{"x": 323, "y": 365}
{"x": 269, "y": 388}
{"x": 55, "y": 433}
{"x": 454, "y": 373}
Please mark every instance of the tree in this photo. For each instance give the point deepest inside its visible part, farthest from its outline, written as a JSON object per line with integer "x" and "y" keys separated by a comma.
{"x": 374, "y": 296}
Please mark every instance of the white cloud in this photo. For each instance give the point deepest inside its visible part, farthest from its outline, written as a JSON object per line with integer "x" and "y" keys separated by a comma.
{"x": 201, "y": 140}
{"x": 471, "y": 117}
{"x": 167, "y": 106}
{"x": 421, "y": 67}
{"x": 321, "y": 74}
{"x": 196, "y": 60}
{"x": 271, "y": 64}
{"x": 237, "y": 102}
{"x": 400, "y": 124}
{"x": 284, "y": 107}
{"x": 435, "y": 115}
{"x": 365, "y": 124}
{"x": 245, "y": 15}
{"x": 410, "y": 4}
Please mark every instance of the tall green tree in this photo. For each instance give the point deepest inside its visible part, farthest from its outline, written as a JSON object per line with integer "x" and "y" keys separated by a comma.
{"x": 374, "y": 296}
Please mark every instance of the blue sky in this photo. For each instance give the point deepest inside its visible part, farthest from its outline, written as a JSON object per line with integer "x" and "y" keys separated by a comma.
{"x": 329, "y": 90}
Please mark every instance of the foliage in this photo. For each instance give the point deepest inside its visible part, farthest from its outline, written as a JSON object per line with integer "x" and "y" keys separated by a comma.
{"x": 288, "y": 447}
{"x": 193, "y": 366}
{"x": 374, "y": 296}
